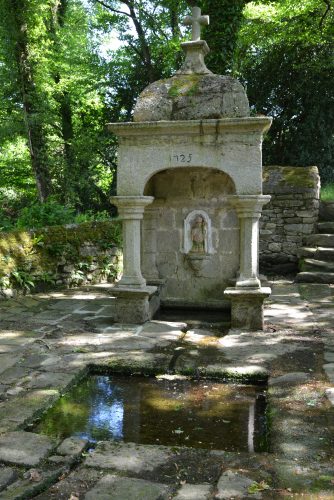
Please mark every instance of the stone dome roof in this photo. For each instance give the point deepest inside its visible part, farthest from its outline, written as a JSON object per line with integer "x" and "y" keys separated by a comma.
{"x": 192, "y": 96}
{"x": 193, "y": 93}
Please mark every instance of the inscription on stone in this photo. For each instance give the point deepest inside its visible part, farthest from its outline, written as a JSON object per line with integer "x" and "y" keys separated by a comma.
{"x": 182, "y": 158}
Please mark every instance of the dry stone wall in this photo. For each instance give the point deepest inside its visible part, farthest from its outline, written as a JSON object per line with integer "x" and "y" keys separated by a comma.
{"x": 59, "y": 256}
{"x": 290, "y": 216}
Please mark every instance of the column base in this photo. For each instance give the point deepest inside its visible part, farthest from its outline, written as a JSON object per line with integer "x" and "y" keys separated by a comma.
{"x": 248, "y": 283}
{"x": 135, "y": 305}
{"x": 247, "y": 307}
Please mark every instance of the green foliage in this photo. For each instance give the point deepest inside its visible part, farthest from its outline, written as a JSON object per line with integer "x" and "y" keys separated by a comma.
{"x": 40, "y": 215}
{"x": 327, "y": 192}
{"x": 42, "y": 258}
{"x": 222, "y": 33}
{"x": 21, "y": 278}
{"x": 257, "y": 487}
{"x": 89, "y": 216}
{"x": 285, "y": 56}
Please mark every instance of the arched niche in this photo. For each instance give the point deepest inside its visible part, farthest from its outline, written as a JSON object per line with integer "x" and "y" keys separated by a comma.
{"x": 191, "y": 275}
{"x": 189, "y": 183}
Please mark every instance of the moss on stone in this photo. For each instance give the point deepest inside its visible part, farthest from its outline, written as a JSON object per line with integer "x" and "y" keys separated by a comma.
{"x": 184, "y": 85}
{"x": 304, "y": 177}
{"x": 299, "y": 176}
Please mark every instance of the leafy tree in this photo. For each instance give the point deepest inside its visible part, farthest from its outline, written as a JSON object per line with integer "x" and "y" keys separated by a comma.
{"x": 150, "y": 34}
{"x": 222, "y": 33}
{"x": 53, "y": 85}
{"x": 285, "y": 56}
{"x": 22, "y": 30}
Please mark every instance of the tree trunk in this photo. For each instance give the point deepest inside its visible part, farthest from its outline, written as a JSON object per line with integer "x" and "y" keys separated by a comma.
{"x": 32, "y": 115}
{"x": 65, "y": 108}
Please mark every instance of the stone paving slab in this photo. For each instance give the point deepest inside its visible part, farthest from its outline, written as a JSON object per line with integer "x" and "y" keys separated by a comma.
{"x": 24, "y": 448}
{"x": 194, "y": 492}
{"x": 50, "y": 380}
{"x": 22, "y": 408}
{"x": 7, "y": 361}
{"x": 7, "y": 476}
{"x": 122, "y": 488}
{"x": 128, "y": 457}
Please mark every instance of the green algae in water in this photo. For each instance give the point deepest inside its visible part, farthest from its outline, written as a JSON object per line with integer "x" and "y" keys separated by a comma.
{"x": 199, "y": 414}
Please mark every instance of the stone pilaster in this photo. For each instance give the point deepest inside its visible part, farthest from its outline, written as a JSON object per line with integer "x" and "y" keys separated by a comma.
{"x": 131, "y": 212}
{"x": 249, "y": 208}
{"x": 149, "y": 245}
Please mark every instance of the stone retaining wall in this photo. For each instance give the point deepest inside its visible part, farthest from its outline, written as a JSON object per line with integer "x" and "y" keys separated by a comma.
{"x": 291, "y": 214}
{"x": 59, "y": 256}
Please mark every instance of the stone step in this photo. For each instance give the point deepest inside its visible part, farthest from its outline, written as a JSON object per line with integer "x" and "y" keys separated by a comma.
{"x": 315, "y": 277}
{"x": 326, "y": 210}
{"x": 315, "y": 265}
{"x": 318, "y": 253}
{"x": 307, "y": 252}
{"x": 320, "y": 240}
{"x": 326, "y": 227}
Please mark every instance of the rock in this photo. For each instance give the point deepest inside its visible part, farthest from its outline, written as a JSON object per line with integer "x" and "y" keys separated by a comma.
{"x": 127, "y": 488}
{"x": 128, "y": 457}
{"x": 24, "y": 448}
{"x": 72, "y": 446}
{"x": 330, "y": 395}
{"x": 234, "y": 485}
{"x": 15, "y": 391}
{"x": 33, "y": 475}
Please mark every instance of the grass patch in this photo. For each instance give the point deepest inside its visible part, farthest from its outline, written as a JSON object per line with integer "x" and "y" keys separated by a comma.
{"x": 327, "y": 192}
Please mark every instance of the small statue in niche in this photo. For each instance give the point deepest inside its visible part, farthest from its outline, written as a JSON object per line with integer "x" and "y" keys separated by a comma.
{"x": 198, "y": 235}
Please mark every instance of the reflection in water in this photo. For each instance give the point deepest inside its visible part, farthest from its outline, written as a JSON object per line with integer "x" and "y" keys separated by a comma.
{"x": 200, "y": 414}
{"x": 251, "y": 427}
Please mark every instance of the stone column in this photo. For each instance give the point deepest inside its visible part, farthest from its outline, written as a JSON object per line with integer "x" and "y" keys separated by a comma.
{"x": 131, "y": 211}
{"x": 247, "y": 296}
{"x": 249, "y": 208}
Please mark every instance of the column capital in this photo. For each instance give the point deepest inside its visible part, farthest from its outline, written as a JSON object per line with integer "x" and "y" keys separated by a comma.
{"x": 131, "y": 207}
{"x": 249, "y": 205}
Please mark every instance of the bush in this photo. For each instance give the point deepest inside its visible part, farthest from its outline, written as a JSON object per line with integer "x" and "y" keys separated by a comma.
{"x": 50, "y": 213}
{"x": 327, "y": 192}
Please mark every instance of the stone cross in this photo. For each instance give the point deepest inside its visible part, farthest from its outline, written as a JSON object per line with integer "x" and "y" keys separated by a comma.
{"x": 196, "y": 20}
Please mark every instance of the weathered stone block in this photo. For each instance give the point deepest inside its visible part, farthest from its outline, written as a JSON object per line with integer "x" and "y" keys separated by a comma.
{"x": 247, "y": 307}
{"x": 275, "y": 247}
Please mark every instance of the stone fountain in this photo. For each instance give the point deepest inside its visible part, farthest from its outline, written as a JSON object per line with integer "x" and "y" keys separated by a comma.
{"x": 189, "y": 194}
